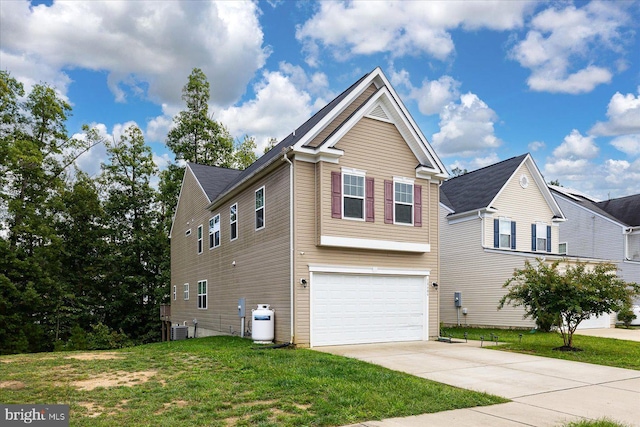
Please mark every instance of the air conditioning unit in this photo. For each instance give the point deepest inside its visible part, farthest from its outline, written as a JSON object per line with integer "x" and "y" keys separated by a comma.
{"x": 179, "y": 332}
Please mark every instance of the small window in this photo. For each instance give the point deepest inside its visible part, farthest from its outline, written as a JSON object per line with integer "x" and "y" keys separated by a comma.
{"x": 186, "y": 292}
{"x": 541, "y": 236}
{"x": 188, "y": 232}
{"x": 175, "y": 292}
{"x": 353, "y": 196}
{"x": 214, "y": 232}
{"x": 403, "y": 202}
{"x": 200, "y": 239}
{"x": 233, "y": 221}
{"x": 260, "y": 208}
{"x": 505, "y": 234}
{"x": 562, "y": 248}
{"x": 202, "y": 294}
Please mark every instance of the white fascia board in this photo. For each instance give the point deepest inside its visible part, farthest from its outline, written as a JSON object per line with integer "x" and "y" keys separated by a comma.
{"x": 383, "y": 245}
{"x": 445, "y": 207}
{"x": 342, "y": 269}
{"x": 312, "y": 156}
{"x": 466, "y": 216}
{"x": 187, "y": 168}
{"x": 545, "y": 256}
{"x": 584, "y": 208}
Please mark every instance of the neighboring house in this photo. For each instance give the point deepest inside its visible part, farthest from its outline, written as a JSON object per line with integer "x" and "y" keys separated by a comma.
{"x": 491, "y": 221}
{"x": 608, "y": 229}
{"x": 336, "y": 228}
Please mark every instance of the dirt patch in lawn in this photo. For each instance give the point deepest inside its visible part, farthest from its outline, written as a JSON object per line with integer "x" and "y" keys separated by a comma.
{"x": 175, "y": 403}
{"x": 94, "y": 410}
{"x": 94, "y": 356}
{"x": 12, "y": 385}
{"x": 115, "y": 379}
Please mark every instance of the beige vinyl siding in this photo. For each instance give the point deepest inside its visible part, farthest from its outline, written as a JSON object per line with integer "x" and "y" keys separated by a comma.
{"x": 342, "y": 116}
{"x": 366, "y": 147}
{"x": 525, "y": 206}
{"x": 261, "y": 270}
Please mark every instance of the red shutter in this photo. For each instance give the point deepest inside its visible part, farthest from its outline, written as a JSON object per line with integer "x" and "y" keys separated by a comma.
{"x": 417, "y": 205}
{"x": 388, "y": 202}
{"x": 370, "y": 207}
{"x": 336, "y": 195}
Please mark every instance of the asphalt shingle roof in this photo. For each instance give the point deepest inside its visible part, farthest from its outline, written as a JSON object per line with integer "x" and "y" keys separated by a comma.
{"x": 475, "y": 190}
{"x": 213, "y": 179}
{"x": 625, "y": 209}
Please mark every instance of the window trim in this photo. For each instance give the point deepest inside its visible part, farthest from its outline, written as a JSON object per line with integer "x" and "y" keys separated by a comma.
{"x": 262, "y": 208}
{"x": 543, "y": 226}
{"x": 566, "y": 248}
{"x": 233, "y": 222}
{"x": 212, "y": 237}
{"x": 407, "y": 181}
{"x": 200, "y": 239}
{"x": 500, "y": 234}
{"x": 202, "y": 296}
{"x": 185, "y": 292}
{"x": 360, "y": 174}
{"x": 175, "y": 292}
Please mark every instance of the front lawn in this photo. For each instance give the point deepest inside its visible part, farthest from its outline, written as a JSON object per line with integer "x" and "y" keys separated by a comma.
{"x": 221, "y": 381}
{"x": 600, "y": 351}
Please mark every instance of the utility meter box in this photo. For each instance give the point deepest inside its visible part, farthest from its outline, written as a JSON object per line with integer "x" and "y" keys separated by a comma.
{"x": 457, "y": 299}
{"x": 241, "y": 309}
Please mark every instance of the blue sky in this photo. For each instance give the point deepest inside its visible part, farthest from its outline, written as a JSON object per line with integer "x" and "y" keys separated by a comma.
{"x": 485, "y": 80}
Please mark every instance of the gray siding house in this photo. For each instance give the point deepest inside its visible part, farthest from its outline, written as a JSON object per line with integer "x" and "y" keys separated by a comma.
{"x": 336, "y": 228}
{"x": 609, "y": 229}
{"x": 491, "y": 221}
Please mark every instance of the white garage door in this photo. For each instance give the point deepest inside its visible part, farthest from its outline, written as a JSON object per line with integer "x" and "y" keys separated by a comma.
{"x": 358, "y": 308}
{"x": 594, "y": 322}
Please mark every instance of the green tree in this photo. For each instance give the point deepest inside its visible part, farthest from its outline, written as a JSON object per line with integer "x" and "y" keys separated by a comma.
{"x": 196, "y": 137}
{"x": 135, "y": 234}
{"x": 270, "y": 144}
{"x": 245, "y": 153}
{"x": 569, "y": 297}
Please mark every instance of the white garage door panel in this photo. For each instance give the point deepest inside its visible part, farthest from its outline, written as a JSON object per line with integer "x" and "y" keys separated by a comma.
{"x": 355, "y": 309}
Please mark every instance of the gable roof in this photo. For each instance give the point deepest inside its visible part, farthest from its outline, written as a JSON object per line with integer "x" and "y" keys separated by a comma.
{"x": 583, "y": 201}
{"x": 477, "y": 189}
{"x": 212, "y": 179}
{"x": 625, "y": 209}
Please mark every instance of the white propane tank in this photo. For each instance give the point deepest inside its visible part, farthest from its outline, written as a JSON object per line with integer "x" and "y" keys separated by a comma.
{"x": 262, "y": 321}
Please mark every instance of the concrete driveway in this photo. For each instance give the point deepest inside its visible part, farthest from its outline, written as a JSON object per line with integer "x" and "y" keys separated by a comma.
{"x": 544, "y": 391}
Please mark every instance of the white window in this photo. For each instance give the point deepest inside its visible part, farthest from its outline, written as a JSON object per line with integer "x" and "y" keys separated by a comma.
{"x": 200, "y": 239}
{"x": 505, "y": 234}
{"x": 562, "y": 248}
{"x": 353, "y": 195}
{"x": 403, "y": 202}
{"x": 260, "y": 208}
{"x": 541, "y": 236}
{"x": 202, "y": 294}
{"x": 175, "y": 292}
{"x": 188, "y": 232}
{"x": 233, "y": 221}
{"x": 214, "y": 232}
{"x": 186, "y": 292}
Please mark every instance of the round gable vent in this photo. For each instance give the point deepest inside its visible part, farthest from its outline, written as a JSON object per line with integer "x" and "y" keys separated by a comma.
{"x": 524, "y": 181}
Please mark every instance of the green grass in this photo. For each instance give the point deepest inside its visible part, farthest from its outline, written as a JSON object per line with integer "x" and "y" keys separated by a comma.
{"x": 600, "y": 351}
{"x": 595, "y": 423}
{"x": 223, "y": 381}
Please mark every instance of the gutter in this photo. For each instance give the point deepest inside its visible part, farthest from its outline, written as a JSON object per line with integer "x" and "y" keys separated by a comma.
{"x": 291, "y": 254}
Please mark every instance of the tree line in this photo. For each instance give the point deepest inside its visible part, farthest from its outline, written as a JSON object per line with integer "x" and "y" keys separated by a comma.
{"x": 85, "y": 260}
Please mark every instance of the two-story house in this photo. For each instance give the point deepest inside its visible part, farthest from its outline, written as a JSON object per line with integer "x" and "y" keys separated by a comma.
{"x": 491, "y": 221}
{"x": 336, "y": 228}
{"x": 608, "y": 229}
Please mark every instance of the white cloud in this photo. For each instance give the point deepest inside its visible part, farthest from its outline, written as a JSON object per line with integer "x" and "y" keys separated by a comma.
{"x": 628, "y": 144}
{"x": 476, "y": 162}
{"x": 278, "y": 108}
{"x": 401, "y": 28}
{"x": 564, "y": 45}
{"x": 536, "y": 145}
{"x": 147, "y": 47}
{"x": 623, "y": 112}
{"x": 466, "y": 128}
{"x": 576, "y": 146}
{"x": 434, "y": 95}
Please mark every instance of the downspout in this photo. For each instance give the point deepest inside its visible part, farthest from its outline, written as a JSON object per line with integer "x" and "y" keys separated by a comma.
{"x": 482, "y": 245}
{"x": 292, "y": 302}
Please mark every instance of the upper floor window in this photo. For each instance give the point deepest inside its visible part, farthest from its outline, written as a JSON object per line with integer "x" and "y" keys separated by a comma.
{"x": 353, "y": 196}
{"x": 200, "y": 239}
{"x": 562, "y": 248}
{"x": 504, "y": 233}
{"x": 540, "y": 237}
{"x": 233, "y": 221}
{"x": 202, "y": 294}
{"x": 260, "y": 208}
{"x": 186, "y": 292}
{"x": 175, "y": 292}
{"x": 214, "y": 232}
{"x": 403, "y": 202}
